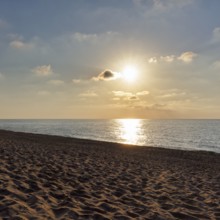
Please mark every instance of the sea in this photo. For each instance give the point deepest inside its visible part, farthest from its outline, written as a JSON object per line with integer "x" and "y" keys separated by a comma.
{"x": 174, "y": 134}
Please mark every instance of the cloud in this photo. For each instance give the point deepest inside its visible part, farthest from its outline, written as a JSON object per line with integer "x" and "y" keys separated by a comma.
{"x": 18, "y": 44}
{"x": 155, "y": 106}
{"x": 88, "y": 94}
{"x": 161, "y": 5}
{"x": 129, "y": 95}
{"x": 133, "y": 97}
{"x": 82, "y": 81}
{"x": 187, "y": 57}
{"x": 152, "y": 60}
{"x": 84, "y": 37}
{"x": 76, "y": 81}
{"x": 94, "y": 38}
{"x": 164, "y": 5}
{"x": 216, "y": 35}
{"x": 56, "y": 82}
{"x": 169, "y": 58}
{"x": 128, "y": 98}
{"x": 44, "y": 70}
{"x": 143, "y": 93}
{"x": 107, "y": 75}
{"x": 173, "y": 95}
{"x": 122, "y": 93}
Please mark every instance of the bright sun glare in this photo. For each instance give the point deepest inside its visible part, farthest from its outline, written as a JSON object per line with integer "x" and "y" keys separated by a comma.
{"x": 130, "y": 130}
{"x": 129, "y": 73}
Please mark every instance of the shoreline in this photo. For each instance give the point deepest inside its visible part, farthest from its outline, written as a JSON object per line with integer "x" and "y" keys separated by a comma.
{"x": 109, "y": 142}
{"x": 55, "y": 177}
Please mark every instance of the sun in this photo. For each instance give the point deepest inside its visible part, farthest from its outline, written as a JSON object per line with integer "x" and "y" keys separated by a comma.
{"x": 129, "y": 73}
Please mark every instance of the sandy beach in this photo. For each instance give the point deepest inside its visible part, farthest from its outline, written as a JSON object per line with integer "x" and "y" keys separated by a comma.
{"x": 51, "y": 177}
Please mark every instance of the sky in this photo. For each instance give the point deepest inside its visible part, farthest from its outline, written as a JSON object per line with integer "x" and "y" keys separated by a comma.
{"x": 153, "y": 59}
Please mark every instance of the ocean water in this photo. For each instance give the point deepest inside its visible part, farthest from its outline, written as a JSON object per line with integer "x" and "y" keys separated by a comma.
{"x": 174, "y": 134}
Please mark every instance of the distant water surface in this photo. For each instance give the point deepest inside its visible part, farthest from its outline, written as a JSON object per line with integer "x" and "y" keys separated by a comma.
{"x": 175, "y": 134}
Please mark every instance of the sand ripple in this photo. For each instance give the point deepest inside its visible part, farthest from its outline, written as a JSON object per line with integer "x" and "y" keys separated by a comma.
{"x": 48, "y": 177}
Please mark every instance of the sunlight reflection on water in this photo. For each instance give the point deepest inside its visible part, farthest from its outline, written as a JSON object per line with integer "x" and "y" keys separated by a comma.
{"x": 129, "y": 130}
{"x": 177, "y": 134}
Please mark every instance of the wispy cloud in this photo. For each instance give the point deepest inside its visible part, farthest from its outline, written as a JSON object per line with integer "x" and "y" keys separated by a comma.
{"x": 142, "y": 93}
{"x": 161, "y": 5}
{"x": 82, "y": 81}
{"x": 173, "y": 94}
{"x": 56, "y": 82}
{"x": 94, "y": 38}
{"x": 84, "y": 37}
{"x": 44, "y": 70}
{"x": 76, "y": 81}
{"x": 88, "y": 94}
{"x": 171, "y": 4}
{"x": 124, "y": 96}
{"x": 169, "y": 58}
{"x": 152, "y": 60}
{"x": 107, "y": 75}
{"x": 216, "y": 35}
{"x": 129, "y": 95}
{"x": 122, "y": 93}
{"x": 187, "y": 57}
{"x": 19, "y": 44}
{"x": 16, "y": 44}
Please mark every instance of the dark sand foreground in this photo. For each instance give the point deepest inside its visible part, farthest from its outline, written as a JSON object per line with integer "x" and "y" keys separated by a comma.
{"x": 49, "y": 177}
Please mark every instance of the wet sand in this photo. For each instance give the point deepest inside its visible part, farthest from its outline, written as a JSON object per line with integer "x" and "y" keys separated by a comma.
{"x": 51, "y": 177}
